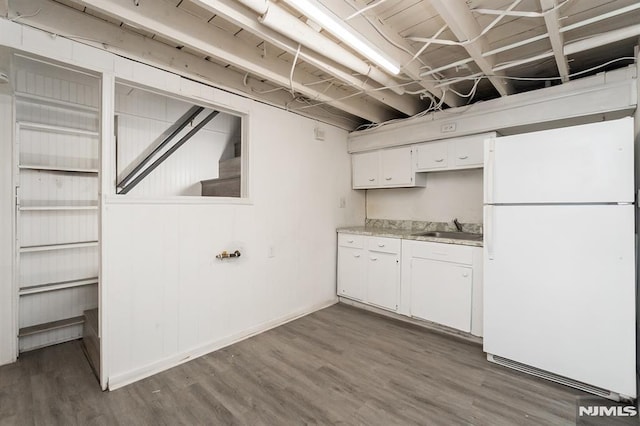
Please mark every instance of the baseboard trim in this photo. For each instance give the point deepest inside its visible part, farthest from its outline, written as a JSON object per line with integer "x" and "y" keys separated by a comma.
{"x": 120, "y": 380}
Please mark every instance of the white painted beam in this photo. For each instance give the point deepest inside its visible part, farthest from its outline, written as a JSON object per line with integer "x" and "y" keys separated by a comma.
{"x": 388, "y": 41}
{"x": 602, "y": 39}
{"x": 242, "y": 17}
{"x": 464, "y": 26}
{"x": 550, "y": 9}
{"x": 98, "y": 33}
{"x": 185, "y": 29}
{"x": 603, "y": 96}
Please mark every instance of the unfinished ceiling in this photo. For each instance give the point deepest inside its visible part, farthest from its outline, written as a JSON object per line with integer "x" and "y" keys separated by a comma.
{"x": 450, "y": 52}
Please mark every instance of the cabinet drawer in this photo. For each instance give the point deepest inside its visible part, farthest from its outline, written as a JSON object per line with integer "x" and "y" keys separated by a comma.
{"x": 384, "y": 245}
{"x": 432, "y": 155}
{"x": 351, "y": 240}
{"x": 444, "y": 252}
{"x": 469, "y": 152}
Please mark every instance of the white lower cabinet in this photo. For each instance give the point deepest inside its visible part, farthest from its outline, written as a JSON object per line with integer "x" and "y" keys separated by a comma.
{"x": 369, "y": 269}
{"x": 441, "y": 292}
{"x": 383, "y": 279}
{"x": 351, "y": 272}
{"x": 442, "y": 283}
{"x": 437, "y": 282}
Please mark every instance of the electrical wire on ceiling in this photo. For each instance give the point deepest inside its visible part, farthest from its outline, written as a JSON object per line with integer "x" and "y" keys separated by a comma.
{"x": 364, "y": 9}
{"x": 31, "y": 15}
{"x": 293, "y": 67}
{"x": 470, "y": 95}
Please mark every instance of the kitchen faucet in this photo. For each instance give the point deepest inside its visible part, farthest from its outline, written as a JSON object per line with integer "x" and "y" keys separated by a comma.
{"x": 457, "y": 224}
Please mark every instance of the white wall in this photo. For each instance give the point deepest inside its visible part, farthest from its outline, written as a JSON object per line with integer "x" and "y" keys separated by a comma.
{"x": 7, "y": 327}
{"x": 636, "y": 121}
{"x": 169, "y": 297}
{"x": 447, "y": 195}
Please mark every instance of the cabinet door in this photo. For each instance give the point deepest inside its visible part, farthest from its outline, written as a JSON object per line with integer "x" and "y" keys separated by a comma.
{"x": 383, "y": 279}
{"x": 432, "y": 156}
{"x": 366, "y": 169}
{"x": 468, "y": 153}
{"x": 396, "y": 167}
{"x": 441, "y": 292}
{"x": 351, "y": 272}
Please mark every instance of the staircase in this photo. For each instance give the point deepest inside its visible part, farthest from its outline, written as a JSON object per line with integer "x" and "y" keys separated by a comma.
{"x": 227, "y": 184}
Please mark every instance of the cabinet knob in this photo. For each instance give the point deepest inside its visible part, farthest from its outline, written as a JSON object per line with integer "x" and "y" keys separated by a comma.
{"x": 374, "y": 258}
{"x": 387, "y": 178}
{"x": 380, "y": 245}
{"x": 465, "y": 275}
{"x": 440, "y": 160}
{"x": 349, "y": 241}
{"x": 356, "y": 255}
{"x": 371, "y": 179}
{"x": 464, "y": 157}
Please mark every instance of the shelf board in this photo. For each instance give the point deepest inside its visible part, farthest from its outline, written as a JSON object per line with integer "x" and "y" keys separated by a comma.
{"x": 48, "y": 326}
{"x": 59, "y": 103}
{"x": 61, "y": 285}
{"x": 57, "y": 168}
{"x": 59, "y": 205}
{"x": 57, "y": 129}
{"x": 49, "y": 247}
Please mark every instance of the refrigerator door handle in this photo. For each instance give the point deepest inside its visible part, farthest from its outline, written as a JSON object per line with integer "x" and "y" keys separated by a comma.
{"x": 490, "y": 231}
{"x": 489, "y": 170}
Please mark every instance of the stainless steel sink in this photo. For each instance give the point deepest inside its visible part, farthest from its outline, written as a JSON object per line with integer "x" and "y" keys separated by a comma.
{"x": 450, "y": 234}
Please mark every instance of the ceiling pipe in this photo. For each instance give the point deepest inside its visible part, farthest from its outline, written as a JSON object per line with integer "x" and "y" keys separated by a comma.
{"x": 276, "y": 18}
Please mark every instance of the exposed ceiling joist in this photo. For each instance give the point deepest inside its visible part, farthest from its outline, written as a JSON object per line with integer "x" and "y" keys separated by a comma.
{"x": 175, "y": 24}
{"x": 550, "y": 9}
{"x": 241, "y": 16}
{"x": 390, "y": 42}
{"x": 457, "y": 15}
{"x": 230, "y": 44}
{"x": 55, "y": 18}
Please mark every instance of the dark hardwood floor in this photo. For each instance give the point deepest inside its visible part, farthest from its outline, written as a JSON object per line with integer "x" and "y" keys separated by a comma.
{"x": 340, "y": 365}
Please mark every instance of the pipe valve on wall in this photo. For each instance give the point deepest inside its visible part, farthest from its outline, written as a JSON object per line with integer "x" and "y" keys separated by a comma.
{"x": 226, "y": 255}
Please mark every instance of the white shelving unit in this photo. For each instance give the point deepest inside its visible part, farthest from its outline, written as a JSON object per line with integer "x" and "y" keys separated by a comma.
{"x": 56, "y": 167}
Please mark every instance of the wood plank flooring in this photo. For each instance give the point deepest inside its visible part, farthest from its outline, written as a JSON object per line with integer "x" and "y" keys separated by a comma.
{"x": 340, "y": 365}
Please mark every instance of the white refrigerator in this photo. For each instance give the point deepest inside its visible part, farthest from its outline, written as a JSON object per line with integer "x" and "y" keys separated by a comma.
{"x": 559, "y": 255}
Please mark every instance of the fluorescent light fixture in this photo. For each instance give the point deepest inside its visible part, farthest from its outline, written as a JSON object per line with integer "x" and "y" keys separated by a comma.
{"x": 338, "y": 30}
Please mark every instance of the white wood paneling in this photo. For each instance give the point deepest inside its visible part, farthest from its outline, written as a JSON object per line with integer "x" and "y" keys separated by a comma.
{"x": 60, "y": 265}
{"x": 170, "y": 298}
{"x": 7, "y": 296}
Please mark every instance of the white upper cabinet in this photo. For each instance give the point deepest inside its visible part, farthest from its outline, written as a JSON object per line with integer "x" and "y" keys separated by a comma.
{"x": 432, "y": 156}
{"x": 469, "y": 152}
{"x": 387, "y": 168}
{"x": 396, "y": 167}
{"x": 451, "y": 154}
{"x": 366, "y": 169}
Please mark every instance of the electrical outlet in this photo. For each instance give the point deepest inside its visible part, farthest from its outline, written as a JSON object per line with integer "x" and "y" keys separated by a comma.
{"x": 318, "y": 133}
{"x": 272, "y": 251}
{"x": 448, "y": 127}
